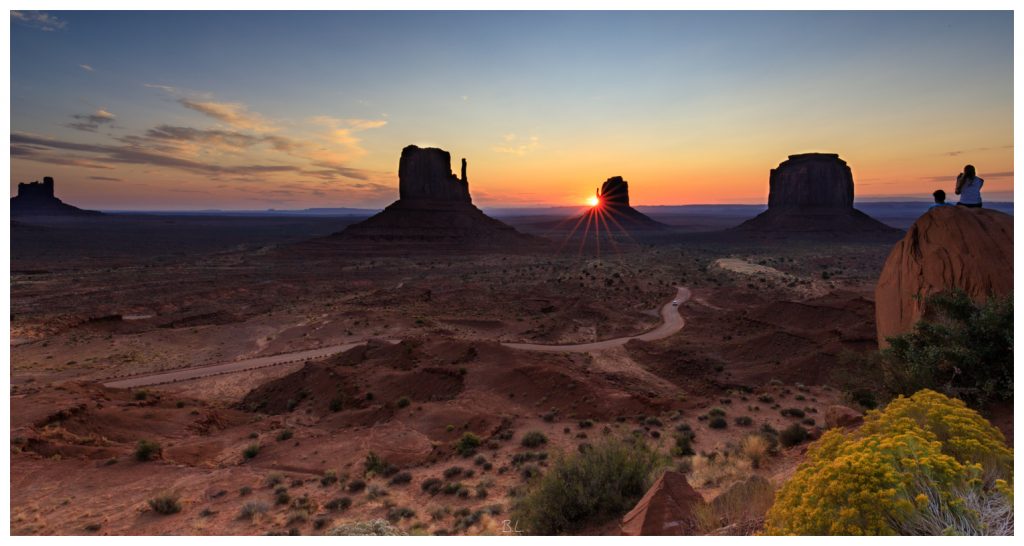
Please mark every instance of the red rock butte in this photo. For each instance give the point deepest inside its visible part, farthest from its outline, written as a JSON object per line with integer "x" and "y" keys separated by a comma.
{"x": 434, "y": 208}
{"x": 38, "y": 199}
{"x": 813, "y": 194}
{"x": 946, "y": 248}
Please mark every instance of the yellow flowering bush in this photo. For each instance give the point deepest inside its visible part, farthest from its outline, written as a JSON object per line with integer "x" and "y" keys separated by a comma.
{"x": 924, "y": 464}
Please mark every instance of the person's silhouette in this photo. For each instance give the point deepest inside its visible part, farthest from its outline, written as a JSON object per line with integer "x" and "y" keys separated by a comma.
{"x": 940, "y": 199}
{"x": 968, "y": 187}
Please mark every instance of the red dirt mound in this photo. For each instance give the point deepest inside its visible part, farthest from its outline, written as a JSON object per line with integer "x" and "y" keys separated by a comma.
{"x": 946, "y": 248}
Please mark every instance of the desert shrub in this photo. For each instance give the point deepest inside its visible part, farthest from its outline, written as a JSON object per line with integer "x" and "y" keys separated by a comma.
{"x": 684, "y": 445}
{"x": 377, "y": 527}
{"x": 375, "y": 464}
{"x": 755, "y": 448}
{"x": 793, "y": 412}
{"x": 330, "y": 477}
{"x": 273, "y": 479}
{"x": 245, "y": 491}
{"x": 403, "y": 402}
{"x": 742, "y": 502}
{"x": 432, "y": 485}
{"x": 717, "y": 468}
{"x": 251, "y": 451}
{"x": 961, "y": 348}
{"x": 452, "y": 471}
{"x": 716, "y": 412}
{"x": 146, "y": 450}
{"x": 284, "y": 435}
{"x": 923, "y": 461}
{"x": 467, "y": 444}
{"x": 399, "y": 513}
{"x": 251, "y": 510}
{"x": 586, "y": 423}
{"x": 338, "y": 504}
{"x": 165, "y": 504}
{"x": 744, "y": 421}
{"x": 401, "y": 478}
{"x": 718, "y": 422}
{"x": 594, "y": 486}
{"x": 864, "y": 398}
{"x": 534, "y": 439}
{"x": 356, "y": 486}
{"x": 792, "y": 435}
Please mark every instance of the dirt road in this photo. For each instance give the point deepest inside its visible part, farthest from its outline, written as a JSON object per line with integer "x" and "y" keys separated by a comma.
{"x": 185, "y": 374}
{"x": 671, "y": 323}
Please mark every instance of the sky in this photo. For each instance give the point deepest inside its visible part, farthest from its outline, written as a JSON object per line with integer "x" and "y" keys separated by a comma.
{"x": 287, "y": 110}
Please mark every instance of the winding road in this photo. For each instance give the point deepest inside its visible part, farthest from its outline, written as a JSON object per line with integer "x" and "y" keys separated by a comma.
{"x": 671, "y": 322}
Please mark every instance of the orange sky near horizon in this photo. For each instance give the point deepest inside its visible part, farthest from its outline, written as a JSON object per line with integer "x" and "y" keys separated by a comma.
{"x": 689, "y": 107}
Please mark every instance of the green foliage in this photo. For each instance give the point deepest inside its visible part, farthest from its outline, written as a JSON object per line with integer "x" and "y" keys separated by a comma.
{"x": 534, "y": 439}
{"x": 146, "y": 450}
{"x": 284, "y": 435}
{"x": 595, "y": 486}
{"x": 792, "y": 435}
{"x": 926, "y": 458}
{"x": 962, "y": 349}
{"x": 165, "y": 504}
{"x": 467, "y": 444}
{"x": 251, "y": 451}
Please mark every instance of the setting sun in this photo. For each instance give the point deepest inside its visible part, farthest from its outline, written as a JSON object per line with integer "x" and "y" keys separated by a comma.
{"x": 593, "y": 201}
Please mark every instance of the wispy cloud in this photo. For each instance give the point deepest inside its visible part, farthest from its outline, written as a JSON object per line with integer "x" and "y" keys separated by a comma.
{"x": 38, "y": 20}
{"x": 985, "y": 175}
{"x": 87, "y": 67}
{"x": 233, "y": 113}
{"x": 517, "y": 146}
{"x": 955, "y": 153}
{"x": 91, "y": 122}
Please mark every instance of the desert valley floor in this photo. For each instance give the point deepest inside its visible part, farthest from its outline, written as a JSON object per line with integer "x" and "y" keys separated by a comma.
{"x": 769, "y": 326}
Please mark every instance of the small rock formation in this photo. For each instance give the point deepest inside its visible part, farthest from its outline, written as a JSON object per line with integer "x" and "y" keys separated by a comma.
{"x": 813, "y": 193}
{"x": 838, "y": 416}
{"x": 37, "y": 199}
{"x": 946, "y": 248}
{"x": 613, "y": 214}
{"x": 434, "y": 207}
{"x": 665, "y": 510}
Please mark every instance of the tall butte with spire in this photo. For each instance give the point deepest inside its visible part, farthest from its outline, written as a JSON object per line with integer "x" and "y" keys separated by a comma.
{"x": 434, "y": 208}
{"x": 38, "y": 199}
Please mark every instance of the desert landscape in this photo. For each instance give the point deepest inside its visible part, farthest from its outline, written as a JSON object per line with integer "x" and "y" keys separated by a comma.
{"x": 810, "y": 364}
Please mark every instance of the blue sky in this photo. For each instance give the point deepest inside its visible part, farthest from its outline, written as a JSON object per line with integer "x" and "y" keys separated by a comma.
{"x": 278, "y": 109}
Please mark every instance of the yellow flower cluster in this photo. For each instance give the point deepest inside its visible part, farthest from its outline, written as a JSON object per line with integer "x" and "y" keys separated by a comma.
{"x": 866, "y": 481}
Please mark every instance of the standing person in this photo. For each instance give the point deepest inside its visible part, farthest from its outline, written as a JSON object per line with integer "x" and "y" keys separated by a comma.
{"x": 940, "y": 199}
{"x": 968, "y": 187}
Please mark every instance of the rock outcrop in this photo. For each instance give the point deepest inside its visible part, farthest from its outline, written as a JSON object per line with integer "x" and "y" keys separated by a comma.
{"x": 813, "y": 194}
{"x": 434, "y": 208}
{"x": 666, "y": 509}
{"x": 946, "y": 248}
{"x": 613, "y": 214}
{"x": 425, "y": 174}
{"x": 837, "y": 416}
{"x": 38, "y": 199}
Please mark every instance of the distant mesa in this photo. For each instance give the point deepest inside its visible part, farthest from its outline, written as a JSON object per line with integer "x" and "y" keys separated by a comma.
{"x": 613, "y": 212}
{"x": 946, "y": 248}
{"x": 434, "y": 207}
{"x": 37, "y": 199}
{"x": 813, "y": 193}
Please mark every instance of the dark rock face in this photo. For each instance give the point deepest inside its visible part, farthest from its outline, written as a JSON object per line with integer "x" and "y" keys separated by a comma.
{"x": 37, "y": 199}
{"x": 434, "y": 210}
{"x": 613, "y": 211}
{"x": 615, "y": 191}
{"x": 811, "y": 181}
{"x": 813, "y": 194}
{"x": 426, "y": 174}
